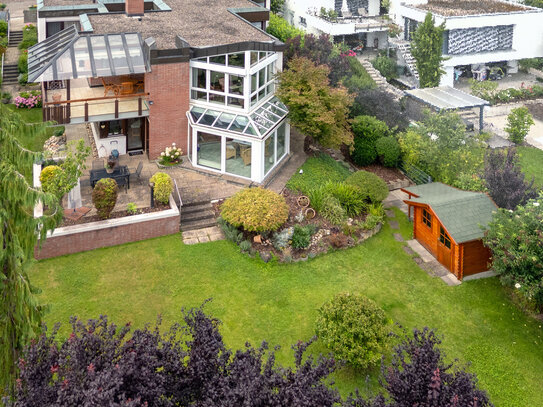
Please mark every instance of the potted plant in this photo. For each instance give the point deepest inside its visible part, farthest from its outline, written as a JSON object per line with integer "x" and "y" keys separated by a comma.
{"x": 111, "y": 163}
{"x": 170, "y": 157}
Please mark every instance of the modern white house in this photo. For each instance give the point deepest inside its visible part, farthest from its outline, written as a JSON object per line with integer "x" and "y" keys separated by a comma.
{"x": 477, "y": 32}
{"x": 356, "y": 21}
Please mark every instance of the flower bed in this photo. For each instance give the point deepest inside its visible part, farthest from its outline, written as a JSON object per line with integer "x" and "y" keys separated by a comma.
{"x": 28, "y": 100}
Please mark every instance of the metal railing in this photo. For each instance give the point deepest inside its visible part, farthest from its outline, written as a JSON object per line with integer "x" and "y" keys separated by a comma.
{"x": 414, "y": 173}
{"x": 180, "y": 203}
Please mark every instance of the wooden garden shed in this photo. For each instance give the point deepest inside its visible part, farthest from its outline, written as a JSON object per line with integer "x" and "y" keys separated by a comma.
{"x": 447, "y": 222}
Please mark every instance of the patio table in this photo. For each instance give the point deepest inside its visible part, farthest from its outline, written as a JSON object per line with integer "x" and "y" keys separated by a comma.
{"x": 120, "y": 174}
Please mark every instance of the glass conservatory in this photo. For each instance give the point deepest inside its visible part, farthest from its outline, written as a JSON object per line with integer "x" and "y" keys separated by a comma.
{"x": 247, "y": 145}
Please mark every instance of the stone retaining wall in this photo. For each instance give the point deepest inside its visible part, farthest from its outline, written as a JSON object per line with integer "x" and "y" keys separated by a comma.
{"x": 111, "y": 232}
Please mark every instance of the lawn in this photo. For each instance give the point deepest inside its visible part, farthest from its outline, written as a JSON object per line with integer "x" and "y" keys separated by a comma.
{"x": 279, "y": 302}
{"x": 33, "y": 116}
{"x": 531, "y": 162}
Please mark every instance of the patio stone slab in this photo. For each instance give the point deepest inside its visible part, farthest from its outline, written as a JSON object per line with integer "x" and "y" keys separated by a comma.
{"x": 398, "y": 237}
{"x": 394, "y": 224}
{"x": 190, "y": 241}
{"x": 390, "y": 213}
{"x": 451, "y": 280}
{"x": 425, "y": 255}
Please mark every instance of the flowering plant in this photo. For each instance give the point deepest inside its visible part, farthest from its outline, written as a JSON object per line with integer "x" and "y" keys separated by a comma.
{"x": 28, "y": 100}
{"x": 171, "y": 155}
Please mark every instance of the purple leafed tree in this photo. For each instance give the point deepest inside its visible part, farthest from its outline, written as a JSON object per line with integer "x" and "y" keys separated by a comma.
{"x": 505, "y": 180}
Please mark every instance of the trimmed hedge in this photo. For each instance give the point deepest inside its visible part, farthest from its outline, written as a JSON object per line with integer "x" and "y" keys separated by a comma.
{"x": 388, "y": 151}
{"x": 49, "y": 178}
{"x": 104, "y": 196}
{"x": 367, "y": 130}
{"x": 373, "y": 187}
{"x": 256, "y": 210}
{"x": 163, "y": 187}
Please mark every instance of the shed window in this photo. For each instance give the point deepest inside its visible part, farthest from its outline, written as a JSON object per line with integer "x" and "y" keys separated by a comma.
{"x": 427, "y": 218}
{"x": 444, "y": 238}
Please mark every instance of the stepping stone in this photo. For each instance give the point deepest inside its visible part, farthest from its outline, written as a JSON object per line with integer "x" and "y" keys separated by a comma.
{"x": 398, "y": 237}
{"x": 190, "y": 241}
{"x": 409, "y": 251}
{"x": 418, "y": 260}
{"x": 451, "y": 280}
{"x": 394, "y": 224}
{"x": 425, "y": 255}
{"x": 390, "y": 214}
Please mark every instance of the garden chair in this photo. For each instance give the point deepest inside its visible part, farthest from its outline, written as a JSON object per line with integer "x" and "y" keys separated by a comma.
{"x": 97, "y": 164}
{"x": 109, "y": 87}
{"x": 137, "y": 173}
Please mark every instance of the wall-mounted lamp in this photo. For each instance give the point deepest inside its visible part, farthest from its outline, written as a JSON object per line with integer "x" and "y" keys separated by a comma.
{"x": 102, "y": 126}
{"x": 151, "y": 102}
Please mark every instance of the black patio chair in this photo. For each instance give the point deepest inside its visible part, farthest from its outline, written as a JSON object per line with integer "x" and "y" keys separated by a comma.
{"x": 97, "y": 164}
{"x": 137, "y": 173}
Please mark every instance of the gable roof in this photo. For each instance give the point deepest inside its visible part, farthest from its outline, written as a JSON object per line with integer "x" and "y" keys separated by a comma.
{"x": 462, "y": 213}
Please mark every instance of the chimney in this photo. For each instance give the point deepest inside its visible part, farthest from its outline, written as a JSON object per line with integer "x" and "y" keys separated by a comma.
{"x": 134, "y": 7}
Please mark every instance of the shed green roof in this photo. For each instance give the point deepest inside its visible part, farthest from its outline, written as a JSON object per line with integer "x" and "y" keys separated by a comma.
{"x": 462, "y": 213}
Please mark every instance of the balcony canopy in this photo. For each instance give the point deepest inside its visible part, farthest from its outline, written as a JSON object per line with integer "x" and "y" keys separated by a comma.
{"x": 70, "y": 55}
{"x": 256, "y": 124}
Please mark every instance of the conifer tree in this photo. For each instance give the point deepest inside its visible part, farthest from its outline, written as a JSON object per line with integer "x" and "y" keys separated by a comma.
{"x": 20, "y": 313}
{"x": 427, "y": 49}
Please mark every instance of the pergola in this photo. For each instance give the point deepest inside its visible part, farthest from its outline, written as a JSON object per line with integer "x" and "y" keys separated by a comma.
{"x": 448, "y": 98}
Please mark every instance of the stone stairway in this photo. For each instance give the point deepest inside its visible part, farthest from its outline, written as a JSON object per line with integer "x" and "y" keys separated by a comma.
{"x": 404, "y": 48}
{"x": 11, "y": 74}
{"x": 197, "y": 215}
{"x": 374, "y": 73}
{"x": 15, "y": 37}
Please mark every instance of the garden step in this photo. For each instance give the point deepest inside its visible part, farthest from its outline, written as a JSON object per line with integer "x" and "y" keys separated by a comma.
{"x": 196, "y": 215}
{"x": 15, "y": 37}
{"x": 197, "y": 207}
{"x": 198, "y": 224}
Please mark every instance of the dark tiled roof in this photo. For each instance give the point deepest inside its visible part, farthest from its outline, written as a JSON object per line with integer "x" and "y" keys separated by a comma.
{"x": 202, "y": 23}
{"x": 462, "y": 213}
{"x": 451, "y": 8}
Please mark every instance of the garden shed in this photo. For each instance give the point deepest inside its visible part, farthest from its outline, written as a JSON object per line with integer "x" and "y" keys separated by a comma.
{"x": 449, "y": 223}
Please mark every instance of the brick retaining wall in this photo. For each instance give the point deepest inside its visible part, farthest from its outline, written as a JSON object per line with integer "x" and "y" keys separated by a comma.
{"x": 112, "y": 232}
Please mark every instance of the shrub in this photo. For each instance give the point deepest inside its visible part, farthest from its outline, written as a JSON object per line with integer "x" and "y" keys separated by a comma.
{"x": 354, "y": 328}
{"x": 28, "y": 100}
{"x": 3, "y": 26}
{"x": 386, "y": 66}
{"x": 280, "y": 240}
{"x": 519, "y": 122}
{"x": 131, "y": 208}
{"x": 372, "y": 186}
{"x": 316, "y": 196}
{"x": 23, "y": 79}
{"x": 483, "y": 89}
{"x": 388, "y": 151}
{"x": 338, "y": 240}
{"x": 163, "y": 187}
{"x": 22, "y": 64}
{"x": 301, "y": 238}
{"x": 230, "y": 232}
{"x": 171, "y": 155}
{"x": 349, "y": 196}
{"x": 245, "y": 246}
{"x": 104, "y": 197}
{"x": 332, "y": 210}
{"x": 367, "y": 130}
{"x": 281, "y": 29}
{"x": 50, "y": 178}
{"x": 30, "y": 37}
{"x": 256, "y": 210}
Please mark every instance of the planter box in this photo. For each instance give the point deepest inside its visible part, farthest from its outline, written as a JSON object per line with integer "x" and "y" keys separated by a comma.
{"x": 111, "y": 232}
{"x": 30, "y": 15}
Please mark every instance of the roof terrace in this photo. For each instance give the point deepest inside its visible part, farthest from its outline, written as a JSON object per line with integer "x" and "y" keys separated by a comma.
{"x": 454, "y": 8}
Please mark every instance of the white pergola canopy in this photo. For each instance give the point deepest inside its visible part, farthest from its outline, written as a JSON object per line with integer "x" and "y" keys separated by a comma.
{"x": 70, "y": 55}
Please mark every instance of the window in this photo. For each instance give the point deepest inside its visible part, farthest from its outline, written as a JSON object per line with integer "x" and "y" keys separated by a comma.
{"x": 199, "y": 78}
{"x": 427, "y": 218}
{"x": 262, "y": 83}
{"x": 444, "y": 238}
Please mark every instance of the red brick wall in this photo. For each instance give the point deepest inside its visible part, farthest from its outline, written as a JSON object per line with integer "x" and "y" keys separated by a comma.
{"x": 134, "y": 7}
{"x": 168, "y": 87}
{"x": 93, "y": 239}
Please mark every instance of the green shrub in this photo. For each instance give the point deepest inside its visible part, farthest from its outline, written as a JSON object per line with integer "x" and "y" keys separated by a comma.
{"x": 367, "y": 130}
{"x": 376, "y": 215}
{"x": 281, "y": 29}
{"x": 231, "y": 232}
{"x": 255, "y": 209}
{"x": 30, "y": 36}
{"x": 332, "y": 210}
{"x": 245, "y": 246}
{"x": 316, "y": 171}
{"x": 316, "y": 196}
{"x": 280, "y": 240}
{"x": 23, "y": 79}
{"x": 131, "y": 208}
{"x": 104, "y": 197}
{"x": 483, "y": 89}
{"x": 519, "y": 122}
{"x": 3, "y": 45}
{"x": 372, "y": 187}
{"x": 22, "y": 64}
{"x": 301, "y": 238}
{"x": 163, "y": 187}
{"x": 349, "y": 197}
{"x": 386, "y": 67}
{"x": 3, "y": 26}
{"x": 354, "y": 328}
{"x": 360, "y": 78}
{"x": 51, "y": 180}
{"x": 388, "y": 151}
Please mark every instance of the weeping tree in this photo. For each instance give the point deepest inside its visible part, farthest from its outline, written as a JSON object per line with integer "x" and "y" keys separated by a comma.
{"x": 427, "y": 49}
{"x": 20, "y": 313}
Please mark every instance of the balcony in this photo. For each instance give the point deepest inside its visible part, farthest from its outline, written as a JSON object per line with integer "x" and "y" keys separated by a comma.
{"x": 348, "y": 26}
{"x": 76, "y": 101}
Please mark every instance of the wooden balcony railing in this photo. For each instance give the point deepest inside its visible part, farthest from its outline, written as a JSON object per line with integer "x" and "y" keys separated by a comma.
{"x": 60, "y": 111}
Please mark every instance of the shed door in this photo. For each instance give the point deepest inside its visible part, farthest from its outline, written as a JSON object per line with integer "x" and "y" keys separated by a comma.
{"x": 444, "y": 249}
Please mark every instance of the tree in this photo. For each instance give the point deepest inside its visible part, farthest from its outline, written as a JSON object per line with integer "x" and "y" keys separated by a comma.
{"x": 315, "y": 108}
{"x": 19, "y": 233}
{"x": 504, "y": 179}
{"x": 379, "y": 103}
{"x": 104, "y": 365}
{"x": 427, "y": 48}
{"x": 277, "y": 6}
{"x": 519, "y": 122}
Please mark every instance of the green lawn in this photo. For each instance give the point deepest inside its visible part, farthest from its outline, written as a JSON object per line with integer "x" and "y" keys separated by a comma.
{"x": 317, "y": 171}
{"x": 278, "y": 302}
{"x": 33, "y": 116}
{"x": 531, "y": 162}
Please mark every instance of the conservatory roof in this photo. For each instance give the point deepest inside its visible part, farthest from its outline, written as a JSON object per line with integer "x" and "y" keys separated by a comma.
{"x": 259, "y": 123}
{"x": 69, "y": 55}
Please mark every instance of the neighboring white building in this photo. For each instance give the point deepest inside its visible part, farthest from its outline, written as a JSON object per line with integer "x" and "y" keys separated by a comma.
{"x": 478, "y": 32}
{"x": 358, "y": 21}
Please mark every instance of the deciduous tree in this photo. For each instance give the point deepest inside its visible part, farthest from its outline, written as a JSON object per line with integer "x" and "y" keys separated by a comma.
{"x": 315, "y": 108}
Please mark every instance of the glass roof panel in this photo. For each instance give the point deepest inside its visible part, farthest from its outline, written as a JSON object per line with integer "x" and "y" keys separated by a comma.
{"x": 64, "y": 65}
{"x": 136, "y": 55}
{"x": 196, "y": 113}
{"x": 239, "y": 124}
{"x": 82, "y": 59}
{"x": 261, "y": 122}
{"x": 101, "y": 59}
{"x": 118, "y": 54}
{"x": 209, "y": 117}
{"x": 250, "y": 130}
{"x": 224, "y": 120}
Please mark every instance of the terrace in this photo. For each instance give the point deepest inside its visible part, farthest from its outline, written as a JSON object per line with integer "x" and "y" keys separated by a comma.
{"x": 455, "y": 8}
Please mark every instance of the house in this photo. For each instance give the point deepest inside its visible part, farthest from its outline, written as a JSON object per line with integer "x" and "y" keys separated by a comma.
{"x": 449, "y": 223}
{"x": 479, "y": 34}
{"x": 148, "y": 73}
{"x": 354, "y": 21}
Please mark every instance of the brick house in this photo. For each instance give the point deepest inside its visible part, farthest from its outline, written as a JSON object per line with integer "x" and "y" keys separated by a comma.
{"x": 148, "y": 73}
